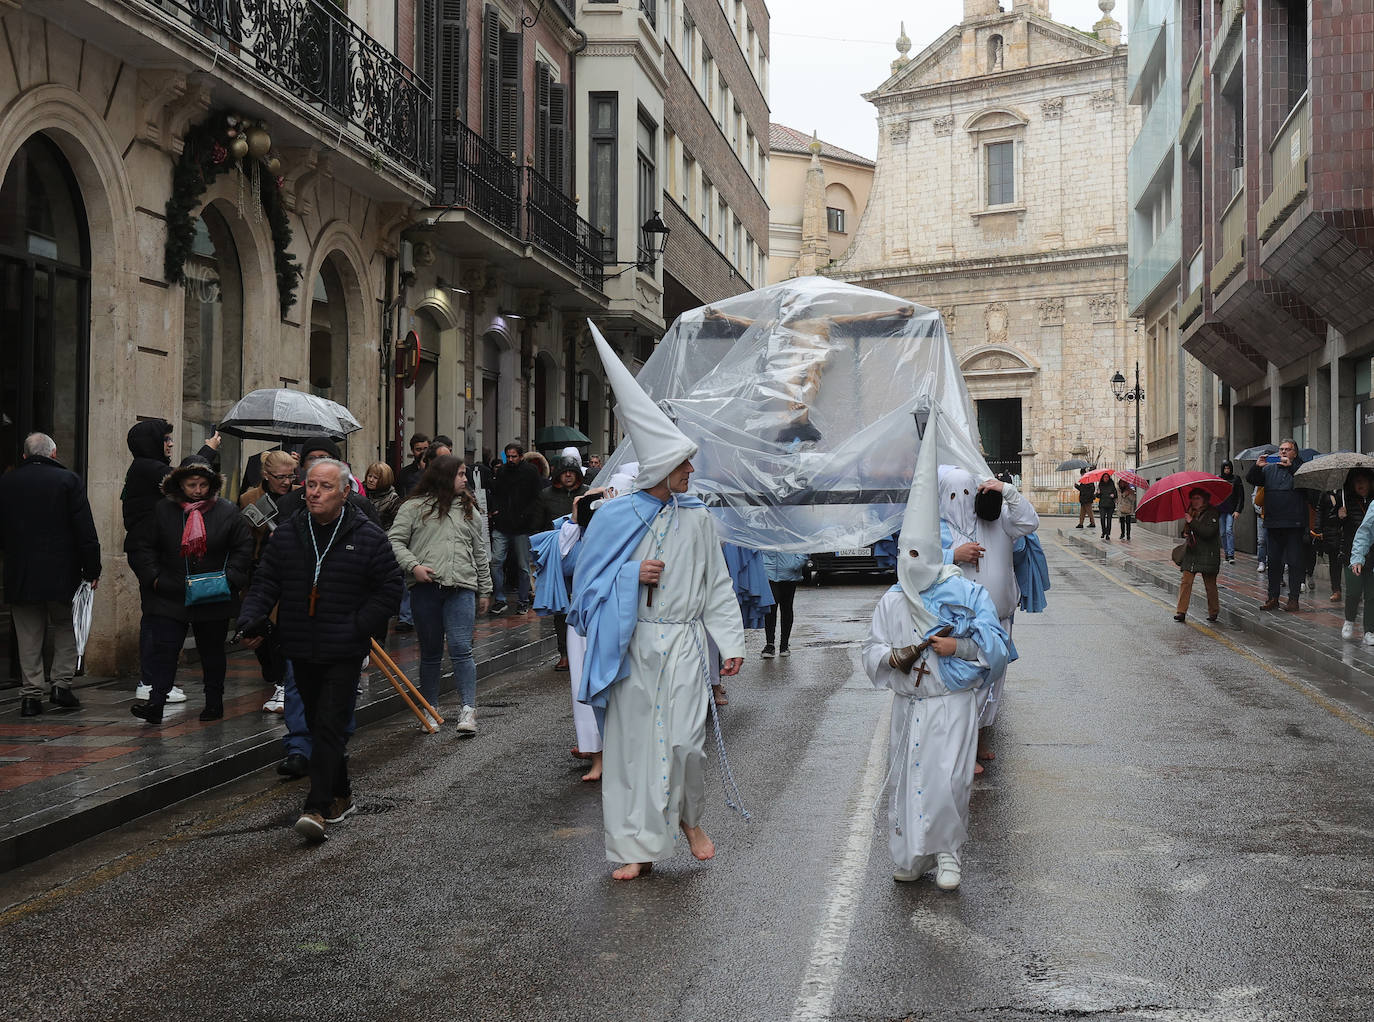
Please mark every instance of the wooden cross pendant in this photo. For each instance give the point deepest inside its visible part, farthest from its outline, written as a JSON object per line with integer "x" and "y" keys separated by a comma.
{"x": 649, "y": 596}
{"x": 314, "y": 595}
{"x": 921, "y": 671}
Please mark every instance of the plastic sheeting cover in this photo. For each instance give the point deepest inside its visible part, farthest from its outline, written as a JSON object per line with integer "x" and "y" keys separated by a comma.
{"x": 805, "y": 398}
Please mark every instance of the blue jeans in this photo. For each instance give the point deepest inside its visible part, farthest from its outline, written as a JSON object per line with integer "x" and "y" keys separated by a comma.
{"x": 1228, "y": 535}
{"x": 297, "y": 741}
{"x": 405, "y": 617}
{"x": 442, "y": 613}
{"x": 1261, "y": 542}
{"x": 520, "y": 546}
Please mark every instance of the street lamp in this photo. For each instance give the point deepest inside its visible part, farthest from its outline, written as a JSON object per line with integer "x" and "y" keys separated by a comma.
{"x": 1136, "y": 395}
{"x": 653, "y": 239}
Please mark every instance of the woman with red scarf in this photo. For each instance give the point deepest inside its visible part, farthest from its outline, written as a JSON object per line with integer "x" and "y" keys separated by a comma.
{"x": 192, "y": 532}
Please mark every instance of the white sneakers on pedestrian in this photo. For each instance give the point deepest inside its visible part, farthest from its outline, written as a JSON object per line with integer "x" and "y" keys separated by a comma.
{"x": 947, "y": 872}
{"x": 1348, "y": 630}
{"x": 1260, "y": 567}
{"x": 145, "y": 692}
{"x": 1369, "y": 638}
{"x": 277, "y": 704}
{"x": 429, "y": 719}
{"x": 467, "y": 721}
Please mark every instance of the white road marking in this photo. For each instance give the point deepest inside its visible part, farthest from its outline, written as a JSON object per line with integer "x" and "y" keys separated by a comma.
{"x": 832, "y": 936}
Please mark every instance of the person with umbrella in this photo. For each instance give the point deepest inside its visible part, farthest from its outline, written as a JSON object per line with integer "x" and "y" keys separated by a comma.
{"x": 1357, "y": 586}
{"x": 1106, "y": 504}
{"x": 1285, "y": 519}
{"x": 49, "y": 542}
{"x": 1201, "y": 553}
{"x": 1126, "y": 498}
{"x": 1086, "y": 492}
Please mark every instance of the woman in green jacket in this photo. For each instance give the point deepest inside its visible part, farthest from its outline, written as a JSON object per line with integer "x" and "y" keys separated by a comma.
{"x": 441, "y": 545}
{"x": 1202, "y": 555}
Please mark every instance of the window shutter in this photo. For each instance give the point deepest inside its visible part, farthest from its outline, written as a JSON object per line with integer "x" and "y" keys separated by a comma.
{"x": 558, "y": 137}
{"x": 424, "y": 36}
{"x": 510, "y": 96}
{"x": 450, "y": 82}
{"x": 491, "y": 75}
{"x": 542, "y": 84}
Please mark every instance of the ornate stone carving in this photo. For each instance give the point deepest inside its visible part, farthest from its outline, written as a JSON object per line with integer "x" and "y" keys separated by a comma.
{"x": 1052, "y": 108}
{"x": 950, "y": 317}
{"x": 1104, "y": 100}
{"x": 943, "y": 125}
{"x": 1050, "y": 311}
{"x": 897, "y": 131}
{"x": 1103, "y": 308}
{"x": 995, "y": 319}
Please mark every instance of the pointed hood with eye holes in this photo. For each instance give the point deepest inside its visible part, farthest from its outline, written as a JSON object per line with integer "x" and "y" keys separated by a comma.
{"x": 958, "y": 490}
{"x": 920, "y": 563}
{"x": 659, "y": 445}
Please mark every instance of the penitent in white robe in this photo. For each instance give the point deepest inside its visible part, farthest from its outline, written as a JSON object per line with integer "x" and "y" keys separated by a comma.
{"x": 931, "y": 749}
{"x": 653, "y": 772}
{"x": 584, "y": 717}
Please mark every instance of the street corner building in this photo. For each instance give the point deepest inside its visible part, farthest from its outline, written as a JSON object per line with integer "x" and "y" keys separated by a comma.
{"x": 388, "y": 203}
{"x": 999, "y": 198}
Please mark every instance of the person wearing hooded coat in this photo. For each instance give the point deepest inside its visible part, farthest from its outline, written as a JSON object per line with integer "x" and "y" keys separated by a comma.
{"x": 1229, "y": 510}
{"x": 935, "y": 701}
{"x": 151, "y": 443}
{"x": 979, "y": 527}
{"x": 193, "y": 530}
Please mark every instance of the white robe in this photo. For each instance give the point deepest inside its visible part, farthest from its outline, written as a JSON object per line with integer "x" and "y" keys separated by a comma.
{"x": 931, "y": 749}
{"x": 995, "y": 572}
{"x": 584, "y": 717}
{"x": 653, "y": 773}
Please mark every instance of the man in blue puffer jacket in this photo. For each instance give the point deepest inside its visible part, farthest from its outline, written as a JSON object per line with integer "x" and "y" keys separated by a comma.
{"x": 1286, "y": 512}
{"x": 331, "y": 574}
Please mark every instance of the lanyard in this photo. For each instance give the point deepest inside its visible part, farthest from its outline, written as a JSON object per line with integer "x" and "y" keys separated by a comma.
{"x": 319, "y": 557}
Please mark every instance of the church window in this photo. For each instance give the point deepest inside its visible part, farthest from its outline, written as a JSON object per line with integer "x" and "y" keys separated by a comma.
{"x": 1001, "y": 174}
{"x": 834, "y": 220}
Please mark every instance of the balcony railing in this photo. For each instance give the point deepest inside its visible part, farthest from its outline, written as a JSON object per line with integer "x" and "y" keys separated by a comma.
{"x": 313, "y": 51}
{"x": 473, "y": 174}
{"x": 552, "y": 223}
{"x": 1232, "y": 259}
{"x": 1192, "y": 305}
{"x": 1192, "y": 107}
{"x": 1288, "y": 160}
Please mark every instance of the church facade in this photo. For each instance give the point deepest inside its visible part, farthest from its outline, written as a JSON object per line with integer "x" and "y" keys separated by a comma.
{"x": 1000, "y": 198}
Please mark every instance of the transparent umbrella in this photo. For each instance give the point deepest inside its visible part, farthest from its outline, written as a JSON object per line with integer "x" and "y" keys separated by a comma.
{"x": 280, "y": 414}
{"x": 81, "y": 618}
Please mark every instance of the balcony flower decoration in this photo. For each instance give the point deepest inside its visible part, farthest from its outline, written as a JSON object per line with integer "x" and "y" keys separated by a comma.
{"x": 225, "y": 142}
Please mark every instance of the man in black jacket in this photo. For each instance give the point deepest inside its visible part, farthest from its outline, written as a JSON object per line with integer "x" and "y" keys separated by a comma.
{"x": 1286, "y": 511}
{"x": 514, "y": 507}
{"x": 1086, "y": 493}
{"x": 410, "y": 474}
{"x": 334, "y": 580}
{"x": 50, "y": 545}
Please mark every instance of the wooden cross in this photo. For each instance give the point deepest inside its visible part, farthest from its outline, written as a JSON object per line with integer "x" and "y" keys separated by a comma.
{"x": 921, "y": 671}
{"x": 314, "y": 595}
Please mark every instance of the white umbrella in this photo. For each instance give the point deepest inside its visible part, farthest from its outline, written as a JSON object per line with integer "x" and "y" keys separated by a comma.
{"x": 81, "y": 618}
{"x": 279, "y": 413}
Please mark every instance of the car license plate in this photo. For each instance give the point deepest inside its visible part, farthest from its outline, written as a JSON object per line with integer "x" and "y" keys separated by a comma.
{"x": 861, "y": 552}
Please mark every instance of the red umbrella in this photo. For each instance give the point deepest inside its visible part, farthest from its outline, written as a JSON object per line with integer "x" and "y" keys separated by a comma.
{"x": 1120, "y": 475}
{"x": 1167, "y": 500}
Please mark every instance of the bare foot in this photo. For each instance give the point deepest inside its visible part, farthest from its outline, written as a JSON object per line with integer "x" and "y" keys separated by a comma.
{"x": 594, "y": 774}
{"x": 977, "y": 769}
{"x": 986, "y": 755}
{"x": 631, "y": 870}
{"x": 702, "y": 846}
{"x": 719, "y": 692}
{"x": 579, "y": 754}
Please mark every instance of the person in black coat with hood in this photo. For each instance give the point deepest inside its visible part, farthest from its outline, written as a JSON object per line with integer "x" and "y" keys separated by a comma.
{"x": 192, "y": 531}
{"x": 50, "y": 545}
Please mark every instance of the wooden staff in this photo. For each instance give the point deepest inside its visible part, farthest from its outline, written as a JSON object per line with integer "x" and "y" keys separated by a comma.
{"x": 405, "y": 688}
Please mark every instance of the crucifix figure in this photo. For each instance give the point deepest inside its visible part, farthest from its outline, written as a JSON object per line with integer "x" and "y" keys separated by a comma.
{"x": 921, "y": 671}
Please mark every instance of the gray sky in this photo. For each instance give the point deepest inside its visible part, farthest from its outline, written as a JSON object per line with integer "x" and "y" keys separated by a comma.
{"x": 826, "y": 53}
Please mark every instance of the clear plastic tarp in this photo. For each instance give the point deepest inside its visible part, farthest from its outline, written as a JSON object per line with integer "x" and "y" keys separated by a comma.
{"x": 808, "y": 400}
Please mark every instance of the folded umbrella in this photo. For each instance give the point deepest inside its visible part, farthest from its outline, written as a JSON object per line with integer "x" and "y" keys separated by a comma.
{"x": 279, "y": 414}
{"x": 1167, "y": 500}
{"x": 1329, "y": 471}
{"x": 81, "y": 618}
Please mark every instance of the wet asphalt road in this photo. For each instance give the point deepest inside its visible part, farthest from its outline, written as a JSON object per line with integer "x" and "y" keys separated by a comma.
{"x": 1172, "y": 831}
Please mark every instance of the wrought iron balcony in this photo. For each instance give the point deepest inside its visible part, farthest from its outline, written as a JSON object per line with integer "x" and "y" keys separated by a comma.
{"x": 474, "y": 174}
{"x": 552, "y": 223}
{"x": 312, "y": 50}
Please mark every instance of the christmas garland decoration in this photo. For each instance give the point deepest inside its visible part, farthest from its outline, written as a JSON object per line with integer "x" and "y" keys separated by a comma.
{"x": 223, "y": 142}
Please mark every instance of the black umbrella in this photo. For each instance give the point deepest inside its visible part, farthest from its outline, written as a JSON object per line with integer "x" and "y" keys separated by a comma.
{"x": 1073, "y": 465}
{"x": 279, "y": 413}
{"x": 1255, "y": 453}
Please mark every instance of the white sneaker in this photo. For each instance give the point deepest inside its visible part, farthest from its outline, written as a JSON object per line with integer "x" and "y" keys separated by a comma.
{"x": 1302, "y": 587}
{"x": 429, "y": 719}
{"x": 467, "y": 721}
{"x": 1369, "y": 638}
{"x": 145, "y": 692}
{"x": 947, "y": 872}
{"x": 1348, "y": 630}
{"x": 1261, "y": 566}
{"x": 277, "y": 704}
{"x": 919, "y": 868}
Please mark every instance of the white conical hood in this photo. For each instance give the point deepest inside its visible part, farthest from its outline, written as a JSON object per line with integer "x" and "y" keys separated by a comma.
{"x": 920, "y": 563}
{"x": 659, "y": 445}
